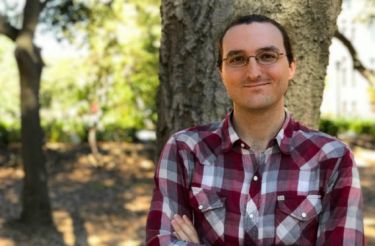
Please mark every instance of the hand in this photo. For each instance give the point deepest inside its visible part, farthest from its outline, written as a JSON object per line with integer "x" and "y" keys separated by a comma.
{"x": 184, "y": 229}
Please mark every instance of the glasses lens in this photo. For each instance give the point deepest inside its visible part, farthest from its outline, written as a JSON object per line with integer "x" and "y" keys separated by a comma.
{"x": 267, "y": 57}
{"x": 237, "y": 60}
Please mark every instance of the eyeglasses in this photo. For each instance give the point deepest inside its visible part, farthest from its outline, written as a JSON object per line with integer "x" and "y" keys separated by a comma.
{"x": 267, "y": 57}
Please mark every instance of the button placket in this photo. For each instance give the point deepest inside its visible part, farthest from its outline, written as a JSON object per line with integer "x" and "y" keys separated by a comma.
{"x": 252, "y": 218}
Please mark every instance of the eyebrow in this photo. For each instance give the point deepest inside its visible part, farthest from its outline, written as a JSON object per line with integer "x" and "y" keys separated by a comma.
{"x": 267, "y": 48}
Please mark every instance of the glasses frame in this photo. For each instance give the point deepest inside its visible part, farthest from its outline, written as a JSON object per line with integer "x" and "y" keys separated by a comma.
{"x": 256, "y": 57}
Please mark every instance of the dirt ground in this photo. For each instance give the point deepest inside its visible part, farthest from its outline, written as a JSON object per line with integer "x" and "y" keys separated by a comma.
{"x": 106, "y": 202}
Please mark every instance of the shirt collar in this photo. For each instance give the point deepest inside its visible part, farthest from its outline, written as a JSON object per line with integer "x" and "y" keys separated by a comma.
{"x": 229, "y": 135}
{"x": 283, "y": 137}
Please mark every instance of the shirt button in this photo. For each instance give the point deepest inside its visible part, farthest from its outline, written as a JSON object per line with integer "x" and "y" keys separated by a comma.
{"x": 304, "y": 215}
{"x": 255, "y": 178}
{"x": 242, "y": 145}
{"x": 251, "y": 216}
{"x": 200, "y": 207}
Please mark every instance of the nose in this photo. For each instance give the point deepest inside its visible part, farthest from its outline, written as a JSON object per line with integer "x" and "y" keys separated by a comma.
{"x": 253, "y": 70}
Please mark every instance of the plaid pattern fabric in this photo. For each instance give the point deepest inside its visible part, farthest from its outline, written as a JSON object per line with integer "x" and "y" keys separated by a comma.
{"x": 302, "y": 190}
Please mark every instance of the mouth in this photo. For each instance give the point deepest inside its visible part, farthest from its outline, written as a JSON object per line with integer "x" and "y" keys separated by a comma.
{"x": 255, "y": 84}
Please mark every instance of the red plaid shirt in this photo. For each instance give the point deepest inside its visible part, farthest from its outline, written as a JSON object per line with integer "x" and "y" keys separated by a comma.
{"x": 302, "y": 190}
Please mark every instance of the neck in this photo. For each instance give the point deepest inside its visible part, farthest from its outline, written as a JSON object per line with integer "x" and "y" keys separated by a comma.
{"x": 257, "y": 127}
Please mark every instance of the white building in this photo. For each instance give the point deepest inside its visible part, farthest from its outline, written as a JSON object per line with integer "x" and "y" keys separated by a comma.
{"x": 346, "y": 93}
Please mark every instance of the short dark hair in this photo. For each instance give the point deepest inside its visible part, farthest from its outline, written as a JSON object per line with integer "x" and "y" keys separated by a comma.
{"x": 248, "y": 19}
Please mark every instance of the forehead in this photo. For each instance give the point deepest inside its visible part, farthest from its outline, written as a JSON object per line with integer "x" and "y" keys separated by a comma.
{"x": 252, "y": 37}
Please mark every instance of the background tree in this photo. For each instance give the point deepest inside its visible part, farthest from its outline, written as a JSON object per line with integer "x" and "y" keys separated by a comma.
{"x": 366, "y": 16}
{"x": 35, "y": 201}
{"x": 18, "y": 22}
{"x": 191, "y": 91}
{"x": 116, "y": 67}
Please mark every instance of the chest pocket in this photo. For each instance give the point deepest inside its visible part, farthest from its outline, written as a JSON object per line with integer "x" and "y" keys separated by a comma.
{"x": 297, "y": 219}
{"x": 209, "y": 210}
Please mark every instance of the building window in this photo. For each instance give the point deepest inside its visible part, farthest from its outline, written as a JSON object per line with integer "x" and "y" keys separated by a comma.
{"x": 344, "y": 108}
{"x": 343, "y": 76}
{"x": 353, "y": 73}
{"x": 338, "y": 65}
{"x": 371, "y": 28}
{"x": 338, "y": 72}
{"x": 343, "y": 71}
{"x": 347, "y": 3}
{"x": 372, "y": 62}
{"x": 354, "y": 108}
{"x": 343, "y": 27}
{"x": 352, "y": 34}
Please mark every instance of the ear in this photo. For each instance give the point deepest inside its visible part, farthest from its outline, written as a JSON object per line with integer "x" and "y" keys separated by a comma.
{"x": 292, "y": 69}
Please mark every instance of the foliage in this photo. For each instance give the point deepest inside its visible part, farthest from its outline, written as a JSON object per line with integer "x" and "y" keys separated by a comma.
{"x": 363, "y": 127}
{"x": 9, "y": 93}
{"x": 116, "y": 68}
{"x": 335, "y": 127}
{"x": 371, "y": 93}
{"x": 62, "y": 16}
{"x": 367, "y": 13}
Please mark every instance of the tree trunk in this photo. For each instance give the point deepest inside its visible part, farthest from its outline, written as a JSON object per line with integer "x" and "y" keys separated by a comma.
{"x": 36, "y": 207}
{"x": 191, "y": 90}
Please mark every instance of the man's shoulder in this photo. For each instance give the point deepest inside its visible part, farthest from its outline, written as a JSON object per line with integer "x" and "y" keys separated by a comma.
{"x": 312, "y": 138}
{"x": 192, "y": 136}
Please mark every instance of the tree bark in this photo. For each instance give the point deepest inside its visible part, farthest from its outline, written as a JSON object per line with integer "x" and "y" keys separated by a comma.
{"x": 36, "y": 209}
{"x": 191, "y": 90}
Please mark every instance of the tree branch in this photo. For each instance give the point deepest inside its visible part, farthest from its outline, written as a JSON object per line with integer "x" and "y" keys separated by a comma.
{"x": 31, "y": 15}
{"x": 367, "y": 73}
{"x": 7, "y": 29}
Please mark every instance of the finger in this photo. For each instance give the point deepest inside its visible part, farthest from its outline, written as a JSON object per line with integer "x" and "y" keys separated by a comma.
{"x": 176, "y": 235}
{"x": 179, "y": 232}
{"x": 187, "y": 228}
{"x": 193, "y": 233}
{"x": 187, "y": 220}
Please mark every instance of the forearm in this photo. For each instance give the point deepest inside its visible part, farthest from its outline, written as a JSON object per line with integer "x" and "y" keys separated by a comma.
{"x": 170, "y": 197}
{"x": 159, "y": 229}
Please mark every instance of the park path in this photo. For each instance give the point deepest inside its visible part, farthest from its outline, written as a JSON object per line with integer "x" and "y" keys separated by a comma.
{"x": 365, "y": 159}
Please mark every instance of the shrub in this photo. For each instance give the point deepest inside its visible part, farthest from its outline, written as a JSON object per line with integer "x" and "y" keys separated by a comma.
{"x": 337, "y": 126}
{"x": 329, "y": 126}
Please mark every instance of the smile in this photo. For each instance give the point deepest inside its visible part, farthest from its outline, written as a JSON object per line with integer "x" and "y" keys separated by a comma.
{"x": 256, "y": 84}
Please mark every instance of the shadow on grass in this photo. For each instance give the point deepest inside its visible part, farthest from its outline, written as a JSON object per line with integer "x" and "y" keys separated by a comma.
{"x": 93, "y": 204}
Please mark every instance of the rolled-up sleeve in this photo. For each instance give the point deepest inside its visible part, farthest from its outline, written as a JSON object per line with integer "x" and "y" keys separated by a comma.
{"x": 170, "y": 196}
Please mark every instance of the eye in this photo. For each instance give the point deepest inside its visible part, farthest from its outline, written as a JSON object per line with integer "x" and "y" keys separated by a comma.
{"x": 267, "y": 57}
{"x": 237, "y": 60}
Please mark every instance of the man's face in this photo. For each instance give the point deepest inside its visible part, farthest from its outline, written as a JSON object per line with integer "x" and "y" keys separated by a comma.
{"x": 255, "y": 86}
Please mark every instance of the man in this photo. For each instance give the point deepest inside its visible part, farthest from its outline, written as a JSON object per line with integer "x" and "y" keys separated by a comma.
{"x": 258, "y": 177}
